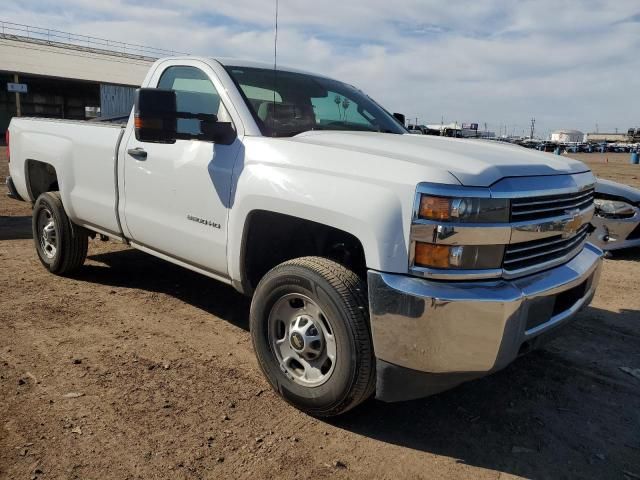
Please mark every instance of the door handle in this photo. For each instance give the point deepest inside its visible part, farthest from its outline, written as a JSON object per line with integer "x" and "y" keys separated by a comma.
{"x": 138, "y": 153}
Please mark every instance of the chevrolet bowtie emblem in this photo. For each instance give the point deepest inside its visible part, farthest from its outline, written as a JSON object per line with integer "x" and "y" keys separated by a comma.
{"x": 572, "y": 225}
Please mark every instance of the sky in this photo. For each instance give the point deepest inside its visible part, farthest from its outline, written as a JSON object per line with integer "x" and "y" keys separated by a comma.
{"x": 568, "y": 64}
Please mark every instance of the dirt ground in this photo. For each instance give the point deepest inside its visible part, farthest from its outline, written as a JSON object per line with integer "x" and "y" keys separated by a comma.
{"x": 134, "y": 368}
{"x": 612, "y": 166}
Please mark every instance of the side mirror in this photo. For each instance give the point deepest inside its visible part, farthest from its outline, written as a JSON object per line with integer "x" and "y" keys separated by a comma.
{"x": 400, "y": 118}
{"x": 155, "y": 115}
{"x": 158, "y": 121}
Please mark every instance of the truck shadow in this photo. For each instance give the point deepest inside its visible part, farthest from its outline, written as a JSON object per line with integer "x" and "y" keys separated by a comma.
{"x": 15, "y": 228}
{"x": 565, "y": 411}
{"x": 134, "y": 269}
{"x": 625, "y": 254}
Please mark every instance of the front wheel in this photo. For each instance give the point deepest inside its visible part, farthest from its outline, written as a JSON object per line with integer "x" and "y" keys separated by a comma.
{"x": 61, "y": 245}
{"x": 310, "y": 331}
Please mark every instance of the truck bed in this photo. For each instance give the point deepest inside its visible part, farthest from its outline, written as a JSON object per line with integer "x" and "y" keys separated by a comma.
{"x": 83, "y": 154}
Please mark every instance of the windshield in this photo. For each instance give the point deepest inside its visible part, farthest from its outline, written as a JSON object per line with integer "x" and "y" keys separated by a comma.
{"x": 287, "y": 103}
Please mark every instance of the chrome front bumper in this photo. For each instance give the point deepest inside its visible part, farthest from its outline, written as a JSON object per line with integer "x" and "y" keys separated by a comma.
{"x": 439, "y": 334}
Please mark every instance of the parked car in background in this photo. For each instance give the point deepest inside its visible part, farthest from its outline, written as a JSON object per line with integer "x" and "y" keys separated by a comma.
{"x": 417, "y": 129}
{"x": 617, "y": 216}
{"x": 547, "y": 146}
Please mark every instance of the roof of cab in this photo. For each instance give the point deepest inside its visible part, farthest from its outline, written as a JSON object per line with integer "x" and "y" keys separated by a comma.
{"x": 235, "y": 62}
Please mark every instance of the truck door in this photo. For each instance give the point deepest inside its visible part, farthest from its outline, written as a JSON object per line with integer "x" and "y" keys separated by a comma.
{"x": 177, "y": 195}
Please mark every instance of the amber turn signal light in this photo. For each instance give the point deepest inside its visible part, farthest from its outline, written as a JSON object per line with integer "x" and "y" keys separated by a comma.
{"x": 431, "y": 255}
{"x": 434, "y": 208}
{"x": 155, "y": 123}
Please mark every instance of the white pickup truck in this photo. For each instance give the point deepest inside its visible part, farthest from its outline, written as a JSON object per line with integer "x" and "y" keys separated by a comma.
{"x": 378, "y": 261}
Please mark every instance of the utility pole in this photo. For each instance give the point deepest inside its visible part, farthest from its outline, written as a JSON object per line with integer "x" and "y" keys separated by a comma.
{"x": 16, "y": 79}
{"x": 533, "y": 126}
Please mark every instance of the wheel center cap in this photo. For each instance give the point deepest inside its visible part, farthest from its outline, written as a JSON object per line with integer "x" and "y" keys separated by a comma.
{"x": 48, "y": 231}
{"x": 297, "y": 341}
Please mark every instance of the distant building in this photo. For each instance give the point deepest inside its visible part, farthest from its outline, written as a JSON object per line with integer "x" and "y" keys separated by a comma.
{"x": 567, "y": 136}
{"x": 47, "y": 73}
{"x": 607, "y": 137}
{"x": 486, "y": 134}
{"x": 465, "y": 130}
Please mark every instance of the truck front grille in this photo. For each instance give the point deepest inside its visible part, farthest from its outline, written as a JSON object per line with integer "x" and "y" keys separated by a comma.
{"x": 528, "y": 254}
{"x": 548, "y": 226}
{"x": 536, "y": 208}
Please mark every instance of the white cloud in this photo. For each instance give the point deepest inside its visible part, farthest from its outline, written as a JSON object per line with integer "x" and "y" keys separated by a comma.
{"x": 569, "y": 64}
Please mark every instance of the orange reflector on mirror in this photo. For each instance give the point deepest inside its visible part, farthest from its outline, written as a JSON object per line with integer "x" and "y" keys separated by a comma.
{"x": 153, "y": 123}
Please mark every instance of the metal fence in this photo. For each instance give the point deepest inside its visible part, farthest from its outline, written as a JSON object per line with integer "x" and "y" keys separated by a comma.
{"x": 85, "y": 41}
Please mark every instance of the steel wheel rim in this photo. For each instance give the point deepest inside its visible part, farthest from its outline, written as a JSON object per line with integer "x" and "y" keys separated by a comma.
{"x": 302, "y": 340}
{"x": 48, "y": 236}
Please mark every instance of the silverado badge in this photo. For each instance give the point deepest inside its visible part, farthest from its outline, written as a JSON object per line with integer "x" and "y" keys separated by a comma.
{"x": 203, "y": 221}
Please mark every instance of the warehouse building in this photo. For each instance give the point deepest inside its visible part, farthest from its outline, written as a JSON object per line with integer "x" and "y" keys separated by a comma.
{"x": 48, "y": 73}
{"x": 567, "y": 136}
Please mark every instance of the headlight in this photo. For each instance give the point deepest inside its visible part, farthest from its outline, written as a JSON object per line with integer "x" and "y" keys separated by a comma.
{"x": 467, "y": 210}
{"x": 613, "y": 208}
{"x": 467, "y": 257}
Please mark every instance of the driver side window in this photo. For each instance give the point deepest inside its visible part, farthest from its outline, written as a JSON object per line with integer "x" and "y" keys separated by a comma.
{"x": 194, "y": 94}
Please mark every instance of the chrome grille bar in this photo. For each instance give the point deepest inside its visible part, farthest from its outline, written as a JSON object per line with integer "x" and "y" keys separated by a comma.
{"x": 521, "y": 201}
{"x": 545, "y": 251}
{"x": 579, "y": 206}
{"x": 547, "y": 242}
{"x": 543, "y": 207}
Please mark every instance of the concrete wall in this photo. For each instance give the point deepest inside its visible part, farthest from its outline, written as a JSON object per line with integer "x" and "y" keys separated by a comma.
{"x": 39, "y": 58}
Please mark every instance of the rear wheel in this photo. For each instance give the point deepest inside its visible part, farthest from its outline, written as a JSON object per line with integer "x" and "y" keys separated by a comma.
{"x": 310, "y": 330}
{"x": 61, "y": 245}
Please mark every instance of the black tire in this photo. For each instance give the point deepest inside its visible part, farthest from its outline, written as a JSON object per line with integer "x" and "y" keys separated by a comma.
{"x": 71, "y": 241}
{"x": 343, "y": 296}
